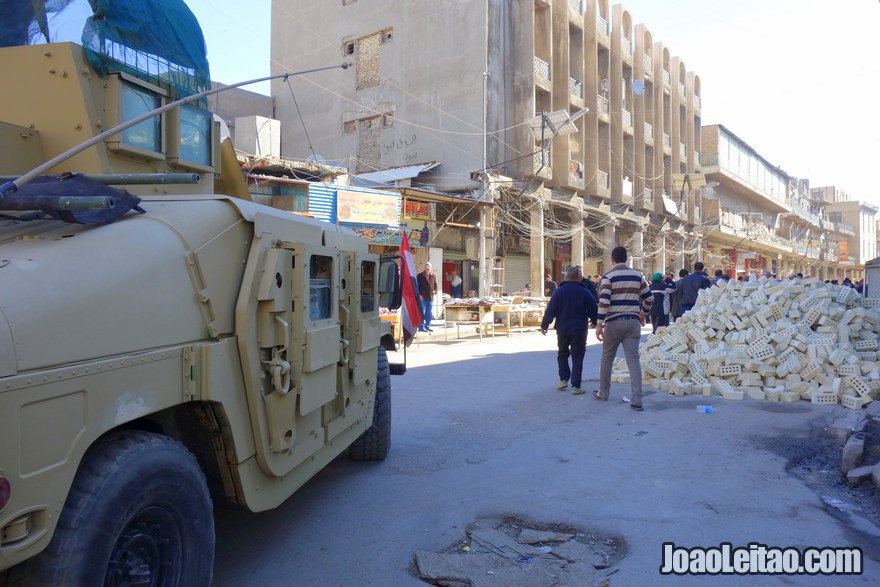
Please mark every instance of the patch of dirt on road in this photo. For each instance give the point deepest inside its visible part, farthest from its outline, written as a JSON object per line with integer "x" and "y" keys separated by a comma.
{"x": 815, "y": 459}
{"x": 511, "y": 551}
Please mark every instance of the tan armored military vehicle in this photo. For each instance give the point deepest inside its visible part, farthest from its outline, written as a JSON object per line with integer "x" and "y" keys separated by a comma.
{"x": 207, "y": 351}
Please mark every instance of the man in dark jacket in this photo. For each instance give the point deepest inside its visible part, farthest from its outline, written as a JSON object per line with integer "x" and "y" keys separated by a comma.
{"x": 660, "y": 308}
{"x": 571, "y": 306}
{"x": 691, "y": 285}
{"x": 675, "y": 295}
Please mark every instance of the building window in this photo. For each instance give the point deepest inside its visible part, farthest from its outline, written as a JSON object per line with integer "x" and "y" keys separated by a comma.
{"x": 388, "y": 120}
{"x": 386, "y": 35}
{"x": 349, "y": 127}
{"x": 348, "y": 48}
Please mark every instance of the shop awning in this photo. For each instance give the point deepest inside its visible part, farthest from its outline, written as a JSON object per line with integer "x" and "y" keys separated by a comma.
{"x": 384, "y": 177}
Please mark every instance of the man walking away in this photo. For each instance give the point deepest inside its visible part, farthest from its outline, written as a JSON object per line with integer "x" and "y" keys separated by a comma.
{"x": 719, "y": 275}
{"x": 660, "y": 307}
{"x": 571, "y": 305}
{"x": 624, "y": 301}
{"x": 427, "y": 290}
{"x": 690, "y": 287}
{"x": 675, "y": 296}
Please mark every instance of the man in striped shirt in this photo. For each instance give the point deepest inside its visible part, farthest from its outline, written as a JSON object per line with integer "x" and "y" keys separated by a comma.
{"x": 624, "y": 301}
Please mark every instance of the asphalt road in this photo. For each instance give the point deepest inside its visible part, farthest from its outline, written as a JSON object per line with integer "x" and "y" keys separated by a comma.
{"x": 480, "y": 430}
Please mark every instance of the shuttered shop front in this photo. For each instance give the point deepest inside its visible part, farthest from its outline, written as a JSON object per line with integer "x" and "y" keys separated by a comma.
{"x": 516, "y": 273}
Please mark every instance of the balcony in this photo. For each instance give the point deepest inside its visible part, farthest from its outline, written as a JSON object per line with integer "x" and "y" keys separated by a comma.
{"x": 602, "y": 27}
{"x": 844, "y": 228}
{"x": 604, "y": 106}
{"x": 542, "y": 69}
{"x": 627, "y": 120}
{"x": 576, "y": 7}
{"x": 667, "y": 141}
{"x": 649, "y": 132}
{"x": 576, "y": 88}
{"x": 542, "y": 163}
{"x": 603, "y": 187}
{"x": 626, "y": 46}
{"x": 649, "y": 65}
{"x": 648, "y": 199}
{"x": 682, "y": 92}
{"x": 667, "y": 79}
{"x": 698, "y": 104}
{"x": 576, "y": 173}
{"x": 734, "y": 172}
{"x": 682, "y": 151}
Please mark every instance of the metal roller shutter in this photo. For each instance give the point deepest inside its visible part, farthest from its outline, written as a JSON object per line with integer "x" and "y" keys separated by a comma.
{"x": 516, "y": 273}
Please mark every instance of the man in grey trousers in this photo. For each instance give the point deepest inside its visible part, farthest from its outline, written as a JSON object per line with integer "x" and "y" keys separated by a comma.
{"x": 624, "y": 301}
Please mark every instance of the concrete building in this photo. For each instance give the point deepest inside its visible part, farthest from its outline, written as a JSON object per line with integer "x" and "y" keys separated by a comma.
{"x": 860, "y": 246}
{"x": 760, "y": 217}
{"x": 469, "y": 96}
{"x": 466, "y": 83}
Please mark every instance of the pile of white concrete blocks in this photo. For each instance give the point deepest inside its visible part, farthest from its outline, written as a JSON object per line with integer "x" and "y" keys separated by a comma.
{"x": 772, "y": 340}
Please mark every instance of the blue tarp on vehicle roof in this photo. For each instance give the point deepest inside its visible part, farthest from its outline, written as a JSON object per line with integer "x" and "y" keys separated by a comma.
{"x": 159, "y": 41}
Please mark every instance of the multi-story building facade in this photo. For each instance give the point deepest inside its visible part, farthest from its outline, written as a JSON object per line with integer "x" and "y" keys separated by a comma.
{"x": 461, "y": 88}
{"x": 760, "y": 217}
{"x": 465, "y": 83}
{"x": 859, "y": 245}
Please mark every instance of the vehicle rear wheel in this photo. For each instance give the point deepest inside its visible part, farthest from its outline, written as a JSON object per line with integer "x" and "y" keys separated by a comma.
{"x": 138, "y": 513}
{"x": 375, "y": 442}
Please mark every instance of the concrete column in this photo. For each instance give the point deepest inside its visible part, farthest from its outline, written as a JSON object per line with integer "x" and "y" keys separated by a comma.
{"x": 680, "y": 261}
{"x": 577, "y": 237}
{"x": 536, "y": 249}
{"x": 609, "y": 237}
{"x": 638, "y": 250}
{"x": 661, "y": 258}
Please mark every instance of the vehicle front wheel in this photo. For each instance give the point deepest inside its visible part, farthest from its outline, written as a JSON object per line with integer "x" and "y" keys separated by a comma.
{"x": 375, "y": 442}
{"x": 138, "y": 513}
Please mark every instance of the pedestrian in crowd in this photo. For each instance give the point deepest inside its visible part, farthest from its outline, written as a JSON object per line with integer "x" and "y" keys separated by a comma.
{"x": 719, "y": 275}
{"x": 792, "y": 276}
{"x": 597, "y": 279}
{"x": 860, "y": 286}
{"x": 570, "y": 306}
{"x": 766, "y": 273}
{"x": 427, "y": 283}
{"x": 800, "y": 275}
{"x": 675, "y": 296}
{"x": 691, "y": 285}
{"x": 549, "y": 285}
{"x": 660, "y": 307}
{"x": 624, "y": 301}
{"x": 591, "y": 287}
{"x": 455, "y": 284}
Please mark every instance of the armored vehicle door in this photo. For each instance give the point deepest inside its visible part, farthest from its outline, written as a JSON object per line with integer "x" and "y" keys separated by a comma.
{"x": 288, "y": 320}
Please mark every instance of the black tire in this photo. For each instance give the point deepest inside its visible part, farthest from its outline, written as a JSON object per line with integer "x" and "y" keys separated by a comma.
{"x": 138, "y": 513}
{"x": 375, "y": 442}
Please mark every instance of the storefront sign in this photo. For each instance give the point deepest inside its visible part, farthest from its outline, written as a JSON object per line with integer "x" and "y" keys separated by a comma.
{"x": 525, "y": 245}
{"x": 363, "y": 208}
{"x": 417, "y": 211}
{"x": 376, "y": 235}
{"x": 843, "y": 251}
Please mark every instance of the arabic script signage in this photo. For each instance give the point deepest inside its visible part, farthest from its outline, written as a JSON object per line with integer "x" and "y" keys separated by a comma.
{"x": 364, "y": 208}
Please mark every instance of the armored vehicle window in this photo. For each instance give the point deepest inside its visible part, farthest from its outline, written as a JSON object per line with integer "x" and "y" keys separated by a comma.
{"x": 320, "y": 292}
{"x": 368, "y": 286}
{"x": 195, "y": 134}
{"x": 147, "y": 134}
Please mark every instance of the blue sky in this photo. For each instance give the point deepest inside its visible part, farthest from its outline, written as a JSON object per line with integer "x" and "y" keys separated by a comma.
{"x": 798, "y": 80}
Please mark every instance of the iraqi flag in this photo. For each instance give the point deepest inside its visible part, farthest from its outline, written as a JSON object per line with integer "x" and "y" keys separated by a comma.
{"x": 411, "y": 317}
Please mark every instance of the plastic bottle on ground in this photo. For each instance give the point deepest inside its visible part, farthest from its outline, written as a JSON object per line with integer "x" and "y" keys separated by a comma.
{"x": 705, "y": 409}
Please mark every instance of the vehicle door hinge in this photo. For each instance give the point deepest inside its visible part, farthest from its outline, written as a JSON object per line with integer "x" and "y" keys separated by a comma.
{"x": 191, "y": 366}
